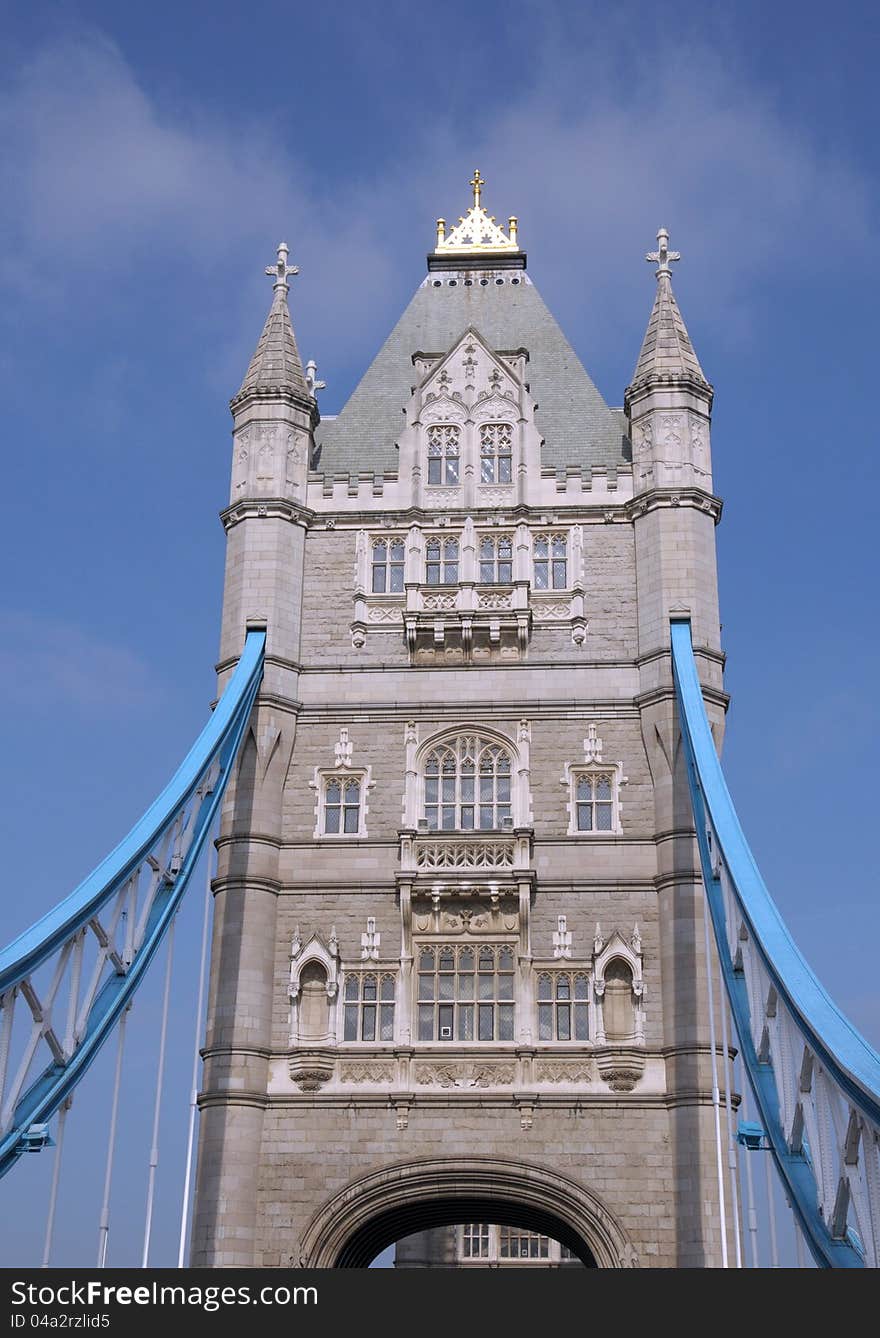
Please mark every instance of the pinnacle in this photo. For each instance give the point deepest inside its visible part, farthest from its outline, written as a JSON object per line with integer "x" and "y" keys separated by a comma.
{"x": 666, "y": 349}
{"x": 276, "y": 365}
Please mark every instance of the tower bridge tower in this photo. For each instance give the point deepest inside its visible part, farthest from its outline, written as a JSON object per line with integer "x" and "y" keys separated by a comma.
{"x": 458, "y": 944}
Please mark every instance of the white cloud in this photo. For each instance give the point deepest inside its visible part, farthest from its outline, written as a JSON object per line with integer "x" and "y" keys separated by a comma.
{"x": 110, "y": 184}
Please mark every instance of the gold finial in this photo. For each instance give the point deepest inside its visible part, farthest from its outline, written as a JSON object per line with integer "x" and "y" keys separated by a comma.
{"x": 477, "y": 230}
{"x": 511, "y": 228}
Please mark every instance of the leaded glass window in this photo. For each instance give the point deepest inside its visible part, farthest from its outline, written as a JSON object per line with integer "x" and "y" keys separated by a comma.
{"x": 467, "y": 785}
{"x": 388, "y": 560}
{"x": 443, "y": 454}
{"x": 466, "y": 993}
{"x": 496, "y": 559}
{"x": 342, "y": 805}
{"x": 496, "y": 453}
{"x": 441, "y": 561}
{"x": 563, "y": 1006}
{"x": 368, "y": 1008}
{"x": 550, "y": 554}
{"x": 594, "y": 802}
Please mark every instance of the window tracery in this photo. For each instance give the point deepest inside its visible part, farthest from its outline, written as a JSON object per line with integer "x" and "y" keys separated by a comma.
{"x": 468, "y": 785}
{"x": 368, "y": 1006}
{"x": 388, "y": 560}
{"x": 563, "y": 1006}
{"x": 496, "y": 559}
{"x": 550, "y": 561}
{"x": 444, "y": 452}
{"x": 496, "y": 453}
{"x": 441, "y": 560}
{"x": 466, "y": 992}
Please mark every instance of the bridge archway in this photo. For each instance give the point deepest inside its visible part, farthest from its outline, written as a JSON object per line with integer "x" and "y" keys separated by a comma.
{"x": 381, "y": 1208}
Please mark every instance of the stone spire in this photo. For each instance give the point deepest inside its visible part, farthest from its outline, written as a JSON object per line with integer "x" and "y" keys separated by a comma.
{"x": 276, "y": 368}
{"x": 667, "y": 352}
{"x": 669, "y": 401}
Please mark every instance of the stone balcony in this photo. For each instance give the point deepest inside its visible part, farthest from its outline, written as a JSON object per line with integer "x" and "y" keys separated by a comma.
{"x": 479, "y": 855}
{"x": 469, "y": 617}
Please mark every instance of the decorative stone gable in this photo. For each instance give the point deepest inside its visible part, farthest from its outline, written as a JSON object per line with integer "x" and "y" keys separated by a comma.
{"x": 470, "y": 439}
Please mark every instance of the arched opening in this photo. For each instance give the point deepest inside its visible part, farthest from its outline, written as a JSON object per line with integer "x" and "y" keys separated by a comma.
{"x": 388, "y": 1228}
{"x": 373, "y": 1213}
{"x": 314, "y": 1015}
{"x": 620, "y": 1022}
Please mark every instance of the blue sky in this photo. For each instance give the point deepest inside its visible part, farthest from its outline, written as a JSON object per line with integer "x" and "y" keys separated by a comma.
{"x": 154, "y": 156}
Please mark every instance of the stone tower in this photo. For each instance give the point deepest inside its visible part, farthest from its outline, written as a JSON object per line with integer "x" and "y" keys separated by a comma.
{"x": 457, "y": 957}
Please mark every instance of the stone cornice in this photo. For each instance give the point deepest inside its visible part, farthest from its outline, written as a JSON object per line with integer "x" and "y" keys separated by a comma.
{"x": 275, "y": 508}
{"x": 656, "y": 499}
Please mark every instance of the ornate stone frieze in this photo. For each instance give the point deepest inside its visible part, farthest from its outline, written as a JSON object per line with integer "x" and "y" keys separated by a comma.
{"x": 366, "y": 1071}
{"x": 459, "y": 854}
{"x": 559, "y": 1071}
{"x": 464, "y": 1075}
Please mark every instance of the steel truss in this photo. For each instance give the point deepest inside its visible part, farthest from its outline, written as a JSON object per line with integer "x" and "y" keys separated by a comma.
{"x": 66, "y": 982}
{"x": 816, "y": 1080}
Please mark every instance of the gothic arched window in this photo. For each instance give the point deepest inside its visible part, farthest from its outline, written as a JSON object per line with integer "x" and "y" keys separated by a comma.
{"x": 468, "y": 785}
{"x": 444, "y": 451}
{"x": 550, "y": 555}
{"x": 441, "y": 561}
{"x": 594, "y": 801}
{"x": 387, "y": 566}
{"x": 342, "y": 805}
{"x": 496, "y": 559}
{"x": 466, "y": 993}
{"x": 496, "y": 453}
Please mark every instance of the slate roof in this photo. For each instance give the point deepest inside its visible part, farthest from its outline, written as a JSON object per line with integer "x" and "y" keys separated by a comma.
{"x": 579, "y": 428}
{"x": 276, "y": 363}
{"x": 666, "y": 350}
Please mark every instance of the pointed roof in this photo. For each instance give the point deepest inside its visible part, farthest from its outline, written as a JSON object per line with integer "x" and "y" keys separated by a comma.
{"x": 579, "y": 428}
{"x": 276, "y": 367}
{"x": 667, "y": 352}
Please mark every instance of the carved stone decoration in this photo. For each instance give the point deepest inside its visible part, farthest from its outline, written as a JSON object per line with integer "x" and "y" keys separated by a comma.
{"x": 577, "y": 1072}
{"x": 311, "y": 1069}
{"x": 366, "y": 1072}
{"x": 464, "y": 1075}
{"x": 621, "y": 1069}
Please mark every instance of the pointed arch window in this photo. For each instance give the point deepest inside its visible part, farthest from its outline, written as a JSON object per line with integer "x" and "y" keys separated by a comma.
{"x": 342, "y": 805}
{"x": 441, "y": 561}
{"x": 594, "y": 802}
{"x": 496, "y": 453}
{"x": 444, "y": 454}
{"x": 468, "y": 785}
{"x": 388, "y": 560}
{"x": 496, "y": 559}
{"x": 550, "y": 561}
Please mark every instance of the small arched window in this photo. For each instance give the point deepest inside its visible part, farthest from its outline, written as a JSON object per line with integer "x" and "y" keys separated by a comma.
{"x": 594, "y": 799}
{"x": 468, "y": 785}
{"x": 496, "y": 559}
{"x": 550, "y": 553}
{"x": 444, "y": 451}
{"x": 441, "y": 561}
{"x": 388, "y": 560}
{"x": 342, "y": 805}
{"x": 496, "y": 453}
